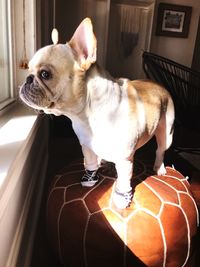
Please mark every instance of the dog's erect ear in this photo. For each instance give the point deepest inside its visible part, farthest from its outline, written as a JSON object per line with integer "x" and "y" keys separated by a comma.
{"x": 84, "y": 44}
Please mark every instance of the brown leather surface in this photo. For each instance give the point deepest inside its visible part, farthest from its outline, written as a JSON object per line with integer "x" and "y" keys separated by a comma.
{"x": 86, "y": 229}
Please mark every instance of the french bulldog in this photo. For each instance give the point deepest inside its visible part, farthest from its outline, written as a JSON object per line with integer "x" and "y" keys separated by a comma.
{"x": 112, "y": 118}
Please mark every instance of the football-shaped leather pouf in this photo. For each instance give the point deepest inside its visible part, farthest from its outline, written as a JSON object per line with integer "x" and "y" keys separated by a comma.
{"x": 86, "y": 229}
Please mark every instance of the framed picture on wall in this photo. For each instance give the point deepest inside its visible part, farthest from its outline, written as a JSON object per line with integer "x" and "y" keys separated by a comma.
{"x": 173, "y": 20}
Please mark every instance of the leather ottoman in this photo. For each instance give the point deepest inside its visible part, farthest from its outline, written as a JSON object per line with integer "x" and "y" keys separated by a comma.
{"x": 86, "y": 229}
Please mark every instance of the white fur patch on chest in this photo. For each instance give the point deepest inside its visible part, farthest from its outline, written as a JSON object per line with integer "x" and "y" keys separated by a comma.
{"x": 112, "y": 129}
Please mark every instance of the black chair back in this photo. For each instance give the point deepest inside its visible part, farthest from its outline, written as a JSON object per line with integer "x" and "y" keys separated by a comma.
{"x": 183, "y": 84}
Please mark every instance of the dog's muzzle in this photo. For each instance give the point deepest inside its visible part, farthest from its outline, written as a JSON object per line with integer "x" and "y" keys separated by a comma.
{"x": 34, "y": 93}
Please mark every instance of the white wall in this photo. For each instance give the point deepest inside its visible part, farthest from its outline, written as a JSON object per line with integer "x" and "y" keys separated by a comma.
{"x": 139, "y": 23}
{"x": 177, "y": 49}
{"x": 99, "y": 11}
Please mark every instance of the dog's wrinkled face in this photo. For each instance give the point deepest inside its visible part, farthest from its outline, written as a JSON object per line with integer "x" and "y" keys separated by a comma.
{"x": 55, "y": 84}
{"x": 51, "y": 73}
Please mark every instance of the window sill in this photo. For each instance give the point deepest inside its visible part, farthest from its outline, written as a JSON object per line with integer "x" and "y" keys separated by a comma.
{"x": 6, "y": 105}
{"x": 23, "y": 161}
{"x": 15, "y": 126}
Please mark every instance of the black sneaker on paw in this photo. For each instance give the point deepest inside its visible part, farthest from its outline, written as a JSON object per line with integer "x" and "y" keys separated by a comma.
{"x": 90, "y": 178}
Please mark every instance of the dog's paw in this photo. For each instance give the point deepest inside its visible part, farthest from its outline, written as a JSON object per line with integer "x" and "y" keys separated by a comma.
{"x": 122, "y": 200}
{"x": 90, "y": 178}
{"x": 160, "y": 170}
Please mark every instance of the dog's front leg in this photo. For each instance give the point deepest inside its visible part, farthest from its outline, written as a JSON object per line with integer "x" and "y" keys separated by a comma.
{"x": 91, "y": 165}
{"x": 123, "y": 190}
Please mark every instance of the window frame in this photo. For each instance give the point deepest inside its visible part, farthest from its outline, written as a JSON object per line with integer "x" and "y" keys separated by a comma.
{"x": 18, "y": 205}
{"x": 11, "y": 58}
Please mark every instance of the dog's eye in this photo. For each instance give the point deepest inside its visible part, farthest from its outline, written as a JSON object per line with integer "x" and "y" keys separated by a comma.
{"x": 44, "y": 74}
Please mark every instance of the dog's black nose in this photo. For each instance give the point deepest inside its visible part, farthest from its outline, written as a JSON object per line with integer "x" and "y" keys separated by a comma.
{"x": 29, "y": 79}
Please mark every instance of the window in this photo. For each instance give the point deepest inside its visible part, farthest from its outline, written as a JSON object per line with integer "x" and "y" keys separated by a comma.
{"x": 6, "y": 92}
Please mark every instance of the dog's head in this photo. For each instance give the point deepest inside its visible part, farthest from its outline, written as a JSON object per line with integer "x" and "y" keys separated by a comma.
{"x": 56, "y": 80}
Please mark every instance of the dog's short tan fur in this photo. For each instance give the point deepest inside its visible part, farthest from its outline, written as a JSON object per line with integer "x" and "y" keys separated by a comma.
{"x": 112, "y": 118}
